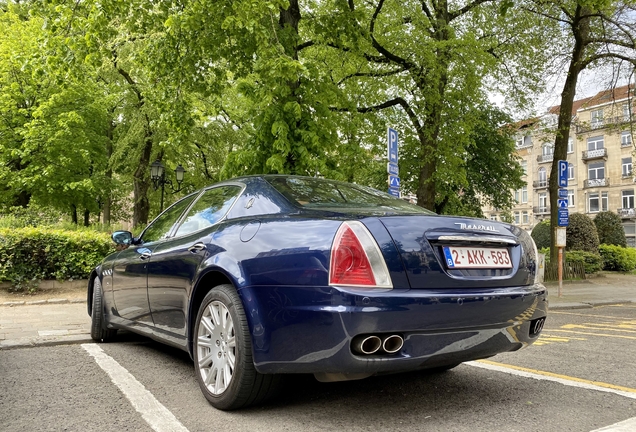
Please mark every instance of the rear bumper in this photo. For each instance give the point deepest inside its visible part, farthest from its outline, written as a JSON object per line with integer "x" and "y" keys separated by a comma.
{"x": 309, "y": 330}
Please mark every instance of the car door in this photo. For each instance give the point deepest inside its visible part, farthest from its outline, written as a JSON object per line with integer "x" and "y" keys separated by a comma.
{"x": 174, "y": 262}
{"x": 130, "y": 269}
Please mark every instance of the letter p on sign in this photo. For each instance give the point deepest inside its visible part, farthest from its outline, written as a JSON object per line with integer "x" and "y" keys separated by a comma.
{"x": 563, "y": 173}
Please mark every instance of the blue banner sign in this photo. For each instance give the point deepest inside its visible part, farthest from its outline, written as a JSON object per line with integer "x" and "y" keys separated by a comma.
{"x": 563, "y": 193}
{"x": 563, "y": 218}
{"x": 392, "y": 168}
{"x": 394, "y": 191}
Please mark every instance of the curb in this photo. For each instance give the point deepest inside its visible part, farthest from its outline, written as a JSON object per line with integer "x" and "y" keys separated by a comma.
{"x": 43, "y": 342}
{"x": 586, "y": 305}
{"x": 43, "y": 302}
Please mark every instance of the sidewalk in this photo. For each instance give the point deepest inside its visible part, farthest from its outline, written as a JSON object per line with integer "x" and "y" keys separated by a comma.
{"x": 65, "y": 320}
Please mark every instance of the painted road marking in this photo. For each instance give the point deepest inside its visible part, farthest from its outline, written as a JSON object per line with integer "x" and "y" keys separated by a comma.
{"x": 628, "y": 425}
{"x": 583, "y": 315}
{"x": 595, "y": 334}
{"x": 549, "y": 376}
{"x": 547, "y": 339}
{"x": 153, "y": 412}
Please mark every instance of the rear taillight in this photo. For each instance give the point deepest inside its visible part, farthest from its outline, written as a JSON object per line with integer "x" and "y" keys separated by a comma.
{"x": 356, "y": 259}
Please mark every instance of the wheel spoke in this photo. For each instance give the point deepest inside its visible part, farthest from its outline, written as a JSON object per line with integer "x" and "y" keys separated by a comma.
{"x": 231, "y": 342}
{"x": 207, "y": 324}
{"x": 204, "y": 342}
{"x": 214, "y": 314}
{"x": 228, "y": 375}
{"x": 231, "y": 358}
{"x": 207, "y": 361}
{"x": 217, "y": 381}
{"x": 209, "y": 377}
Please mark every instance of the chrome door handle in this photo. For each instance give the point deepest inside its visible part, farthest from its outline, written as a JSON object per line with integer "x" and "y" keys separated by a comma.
{"x": 145, "y": 255}
{"x": 197, "y": 247}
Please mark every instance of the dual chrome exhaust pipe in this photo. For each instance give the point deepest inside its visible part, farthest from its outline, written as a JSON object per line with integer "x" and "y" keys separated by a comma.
{"x": 371, "y": 344}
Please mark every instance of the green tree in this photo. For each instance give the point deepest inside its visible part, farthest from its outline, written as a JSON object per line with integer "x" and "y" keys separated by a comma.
{"x": 541, "y": 234}
{"x": 610, "y": 229}
{"x": 581, "y": 234}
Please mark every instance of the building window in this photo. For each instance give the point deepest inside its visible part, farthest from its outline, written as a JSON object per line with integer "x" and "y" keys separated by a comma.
{"x": 570, "y": 145}
{"x": 628, "y": 199}
{"x": 517, "y": 195}
{"x": 597, "y": 118}
{"x": 524, "y": 166}
{"x": 524, "y": 217}
{"x": 493, "y": 217}
{"x": 524, "y": 194}
{"x": 543, "y": 177}
{"x": 517, "y": 218}
{"x": 604, "y": 201}
{"x": 626, "y": 139}
{"x": 570, "y": 172}
{"x": 593, "y": 202}
{"x": 626, "y": 164}
{"x": 547, "y": 149}
{"x": 543, "y": 202}
{"x": 626, "y": 113}
{"x": 596, "y": 170}
{"x": 595, "y": 143}
{"x": 570, "y": 197}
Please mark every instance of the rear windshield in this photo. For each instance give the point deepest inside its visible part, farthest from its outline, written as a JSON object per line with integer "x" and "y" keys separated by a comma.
{"x": 328, "y": 194}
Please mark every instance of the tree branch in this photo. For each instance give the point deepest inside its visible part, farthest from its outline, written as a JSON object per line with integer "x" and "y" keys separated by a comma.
{"x": 470, "y": 6}
{"x": 372, "y": 74}
{"x": 386, "y": 53}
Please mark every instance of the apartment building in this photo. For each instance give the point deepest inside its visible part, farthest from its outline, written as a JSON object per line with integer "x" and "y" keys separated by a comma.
{"x": 600, "y": 153}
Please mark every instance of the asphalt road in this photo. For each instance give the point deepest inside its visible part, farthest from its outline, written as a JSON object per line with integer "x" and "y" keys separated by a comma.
{"x": 579, "y": 376}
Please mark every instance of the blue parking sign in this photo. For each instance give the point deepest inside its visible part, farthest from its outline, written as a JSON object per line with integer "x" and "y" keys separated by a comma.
{"x": 563, "y": 173}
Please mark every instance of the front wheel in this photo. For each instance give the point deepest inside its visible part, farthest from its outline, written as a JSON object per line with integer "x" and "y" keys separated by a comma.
{"x": 223, "y": 353}
{"x": 99, "y": 332}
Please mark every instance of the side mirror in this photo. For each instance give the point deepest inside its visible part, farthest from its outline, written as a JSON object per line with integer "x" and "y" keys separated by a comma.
{"x": 122, "y": 238}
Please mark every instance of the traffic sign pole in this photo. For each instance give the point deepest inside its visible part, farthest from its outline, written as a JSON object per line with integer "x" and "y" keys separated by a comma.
{"x": 563, "y": 219}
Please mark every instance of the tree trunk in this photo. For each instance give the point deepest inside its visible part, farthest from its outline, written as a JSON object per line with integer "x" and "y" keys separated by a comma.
{"x": 141, "y": 181}
{"x": 87, "y": 220}
{"x": 581, "y": 30}
{"x": 74, "y": 213}
{"x": 109, "y": 174}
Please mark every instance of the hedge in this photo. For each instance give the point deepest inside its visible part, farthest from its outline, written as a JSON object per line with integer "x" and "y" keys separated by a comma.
{"x": 31, "y": 254}
{"x": 592, "y": 262}
{"x": 618, "y": 258}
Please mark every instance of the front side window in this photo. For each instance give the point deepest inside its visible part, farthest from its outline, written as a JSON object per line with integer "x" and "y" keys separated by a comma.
{"x": 628, "y": 199}
{"x": 595, "y": 143}
{"x": 160, "y": 228}
{"x": 209, "y": 209}
{"x": 596, "y": 171}
{"x": 597, "y": 118}
{"x": 626, "y": 165}
{"x": 626, "y": 139}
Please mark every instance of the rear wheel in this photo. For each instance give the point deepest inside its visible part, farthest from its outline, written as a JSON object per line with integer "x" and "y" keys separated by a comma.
{"x": 99, "y": 332}
{"x": 223, "y": 353}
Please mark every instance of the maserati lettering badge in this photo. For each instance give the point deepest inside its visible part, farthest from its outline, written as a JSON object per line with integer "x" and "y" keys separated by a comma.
{"x": 477, "y": 227}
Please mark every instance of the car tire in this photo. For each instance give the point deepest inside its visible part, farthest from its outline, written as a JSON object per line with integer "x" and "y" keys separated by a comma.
{"x": 99, "y": 332}
{"x": 222, "y": 350}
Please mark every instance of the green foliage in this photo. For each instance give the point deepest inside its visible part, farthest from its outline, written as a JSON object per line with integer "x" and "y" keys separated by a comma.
{"x": 610, "y": 229}
{"x": 31, "y": 254}
{"x": 592, "y": 262}
{"x": 581, "y": 234}
{"x": 617, "y": 258}
{"x": 541, "y": 234}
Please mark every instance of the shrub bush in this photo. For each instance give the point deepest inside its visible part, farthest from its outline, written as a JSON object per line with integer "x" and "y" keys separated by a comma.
{"x": 617, "y": 258}
{"x": 610, "y": 229}
{"x": 541, "y": 234}
{"x": 581, "y": 234}
{"x": 592, "y": 262}
{"x": 30, "y": 254}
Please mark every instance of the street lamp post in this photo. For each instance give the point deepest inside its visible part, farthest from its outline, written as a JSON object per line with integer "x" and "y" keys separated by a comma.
{"x": 158, "y": 177}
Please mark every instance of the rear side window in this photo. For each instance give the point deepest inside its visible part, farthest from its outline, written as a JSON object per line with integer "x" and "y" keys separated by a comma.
{"x": 209, "y": 209}
{"x": 321, "y": 193}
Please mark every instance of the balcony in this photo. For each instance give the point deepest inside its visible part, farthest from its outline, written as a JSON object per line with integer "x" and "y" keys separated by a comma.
{"x": 626, "y": 213}
{"x": 540, "y": 210}
{"x": 594, "y": 154}
{"x": 591, "y": 183}
{"x": 545, "y": 158}
{"x": 540, "y": 184}
{"x": 600, "y": 124}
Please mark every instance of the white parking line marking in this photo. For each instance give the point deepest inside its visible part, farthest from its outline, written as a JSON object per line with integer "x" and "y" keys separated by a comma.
{"x": 153, "y": 412}
{"x": 628, "y": 425}
{"x": 561, "y": 379}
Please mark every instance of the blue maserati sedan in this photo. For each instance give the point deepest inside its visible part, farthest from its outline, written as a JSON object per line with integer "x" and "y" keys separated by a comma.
{"x": 266, "y": 275}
